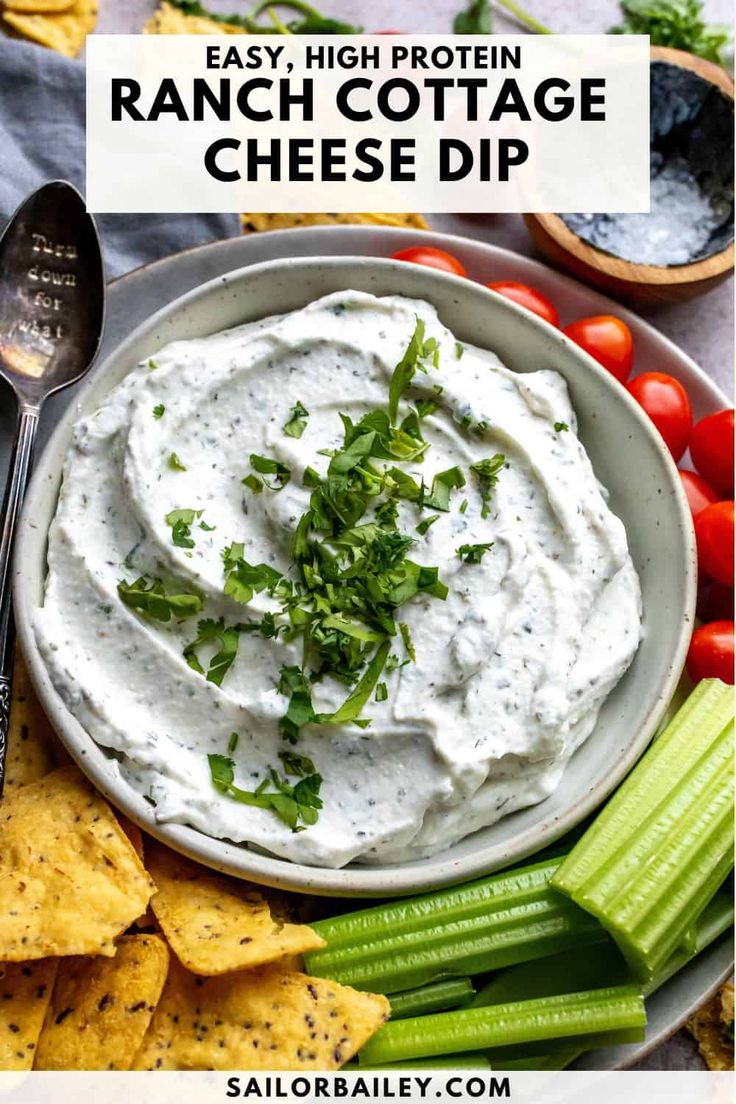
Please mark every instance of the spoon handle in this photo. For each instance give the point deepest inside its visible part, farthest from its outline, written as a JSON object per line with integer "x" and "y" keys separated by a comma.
{"x": 20, "y": 466}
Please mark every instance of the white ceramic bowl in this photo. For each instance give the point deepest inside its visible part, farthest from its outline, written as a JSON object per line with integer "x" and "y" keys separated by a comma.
{"x": 627, "y": 454}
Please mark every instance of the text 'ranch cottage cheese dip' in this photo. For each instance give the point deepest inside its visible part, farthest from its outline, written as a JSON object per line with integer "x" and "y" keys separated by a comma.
{"x": 478, "y": 679}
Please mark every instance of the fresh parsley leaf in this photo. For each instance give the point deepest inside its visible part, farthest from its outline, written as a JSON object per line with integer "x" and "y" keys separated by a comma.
{"x": 297, "y": 422}
{"x": 181, "y": 526}
{"x": 476, "y": 19}
{"x": 207, "y": 528}
{"x": 253, "y": 483}
{"x": 417, "y": 352}
{"x": 226, "y": 639}
{"x": 295, "y": 764}
{"x": 675, "y": 23}
{"x": 299, "y": 710}
{"x": 265, "y": 465}
{"x": 243, "y": 579}
{"x": 424, "y": 525}
{"x": 473, "y": 553}
{"x": 561, "y": 427}
{"x": 487, "y": 472}
{"x": 353, "y": 705}
{"x": 442, "y": 484}
{"x": 175, "y": 463}
{"x": 297, "y": 806}
{"x": 158, "y": 410}
{"x": 381, "y": 692}
{"x": 150, "y": 596}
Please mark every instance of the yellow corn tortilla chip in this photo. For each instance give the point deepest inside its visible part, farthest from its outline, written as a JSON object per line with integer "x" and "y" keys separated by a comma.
{"x": 70, "y": 880}
{"x": 216, "y": 924}
{"x": 265, "y": 1019}
{"x": 170, "y": 20}
{"x": 101, "y": 1007}
{"x": 708, "y": 1028}
{"x": 43, "y": 6}
{"x": 25, "y": 992}
{"x": 254, "y": 223}
{"x": 34, "y": 749}
{"x": 65, "y": 32}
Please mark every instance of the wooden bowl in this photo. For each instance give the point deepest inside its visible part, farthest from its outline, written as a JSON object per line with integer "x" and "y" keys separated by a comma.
{"x": 641, "y": 283}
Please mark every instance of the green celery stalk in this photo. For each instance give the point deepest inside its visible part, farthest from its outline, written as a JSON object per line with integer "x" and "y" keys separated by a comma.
{"x": 656, "y": 854}
{"x": 441, "y": 1062}
{"x": 588, "y": 968}
{"x": 496, "y": 922}
{"x": 588, "y": 1015}
{"x": 437, "y": 997}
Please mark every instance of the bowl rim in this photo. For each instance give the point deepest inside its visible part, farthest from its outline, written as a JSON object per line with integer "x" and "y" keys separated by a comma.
{"x": 608, "y": 264}
{"x": 354, "y": 880}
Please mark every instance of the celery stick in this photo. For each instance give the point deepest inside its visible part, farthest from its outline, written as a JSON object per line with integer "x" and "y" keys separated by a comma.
{"x": 588, "y": 1014}
{"x": 504, "y": 919}
{"x": 655, "y": 856}
{"x": 441, "y": 1062}
{"x": 558, "y": 1060}
{"x": 432, "y": 998}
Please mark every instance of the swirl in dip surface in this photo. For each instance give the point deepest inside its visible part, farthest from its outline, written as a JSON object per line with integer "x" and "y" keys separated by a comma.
{"x": 511, "y": 667}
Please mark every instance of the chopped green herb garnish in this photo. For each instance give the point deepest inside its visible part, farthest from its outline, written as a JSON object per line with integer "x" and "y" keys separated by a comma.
{"x": 408, "y": 644}
{"x": 463, "y": 505}
{"x": 299, "y": 711}
{"x": 295, "y": 764}
{"x": 417, "y": 352}
{"x": 561, "y": 427}
{"x": 381, "y": 692}
{"x": 225, "y": 640}
{"x": 232, "y": 742}
{"x": 175, "y": 463}
{"x": 487, "y": 472}
{"x": 243, "y": 579}
{"x": 265, "y": 465}
{"x": 442, "y": 484}
{"x": 253, "y": 483}
{"x": 207, "y": 528}
{"x": 181, "y": 526}
{"x": 473, "y": 553}
{"x": 152, "y": 364}
{"x": 459, "y": 349}
{"x": 297, "y": 806}
{"x": 424, "y": 525}
{"x": 297, "y": 422}
{"x": 158, "y": 410}
{"x": 151, "y": 597}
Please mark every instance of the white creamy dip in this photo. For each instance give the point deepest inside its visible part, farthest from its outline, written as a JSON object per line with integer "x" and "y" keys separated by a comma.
{"x": 511, "y": 668}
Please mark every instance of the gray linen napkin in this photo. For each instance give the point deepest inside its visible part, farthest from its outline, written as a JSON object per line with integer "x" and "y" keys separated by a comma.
{"x": 42, "y": 138}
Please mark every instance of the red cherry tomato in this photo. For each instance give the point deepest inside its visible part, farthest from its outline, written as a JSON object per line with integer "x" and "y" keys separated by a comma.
{"x": 608, "y": 340}
{"x": 666, "y": 402}
{"x": 432, "y": 258}
{"x": 715, "y": 602}
{"x": 527, "y": 297}
{"x": 711, "y": 447}
{"x": 711, "y": 652}
{"x": 714, "y": 535}
{"x": 699, "y": 493}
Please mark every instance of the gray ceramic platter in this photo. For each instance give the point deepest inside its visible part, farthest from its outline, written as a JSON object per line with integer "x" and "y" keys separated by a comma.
{"x": 136, "y": 296}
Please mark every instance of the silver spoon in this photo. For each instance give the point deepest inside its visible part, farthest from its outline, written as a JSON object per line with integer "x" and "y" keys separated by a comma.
{"x": 52, "y": 307}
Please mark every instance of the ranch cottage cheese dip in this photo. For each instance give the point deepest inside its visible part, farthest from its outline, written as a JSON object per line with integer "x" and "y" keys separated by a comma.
{"x": 331, "y": 607}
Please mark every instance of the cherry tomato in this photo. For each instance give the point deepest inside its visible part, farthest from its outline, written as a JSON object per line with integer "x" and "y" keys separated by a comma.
{"x": 666, "y": 402}
{"x": 699, "y": 493}
{"x": 711, "y": 447}
{"x": 711, "y": 652}
{"x": 714, "y": 535}
{"x": 432, "y": 258}
{"x": 527, "y": 297}
{"x": 608, "y": 340}
{"x": 715, "y": 602}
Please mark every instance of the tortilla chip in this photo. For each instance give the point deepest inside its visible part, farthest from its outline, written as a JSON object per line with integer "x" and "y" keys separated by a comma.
{"x": 170, "y": 20}
{"x": 266, "y": 1019}
{"x": 133, "y": 833}
{"x": 216, "y": 924}
{"x": 712, "y": 1029}
{"x": 34, "y": 748}
{"x": 253, "y": 223}
{"x": 102, "y": 1007}
{"x": 25, "y": 992}
{"x": 44, "y": 6}
{"x": 64, "y": 32}
{"x": 70, "y": 880}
